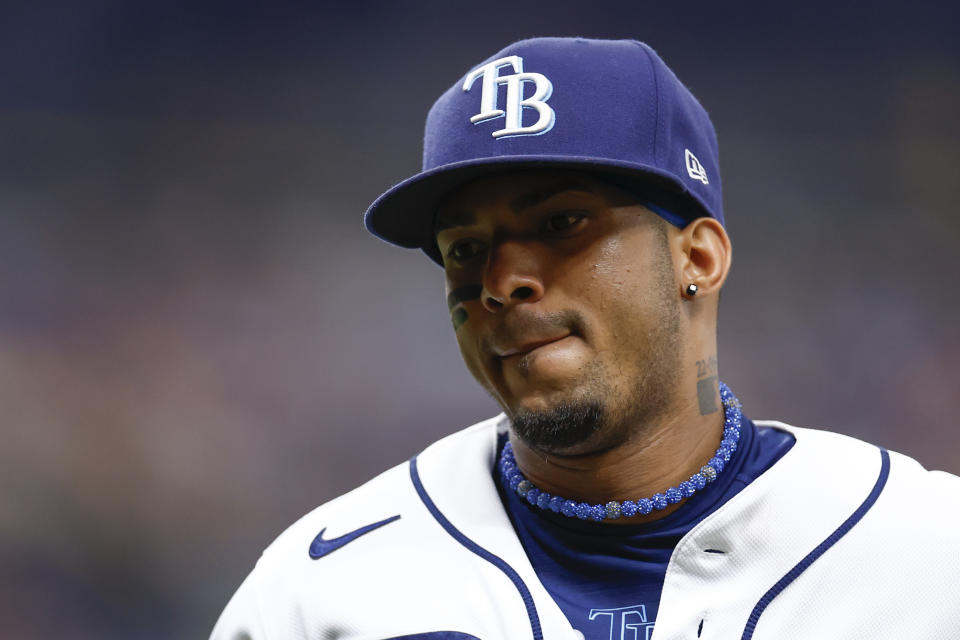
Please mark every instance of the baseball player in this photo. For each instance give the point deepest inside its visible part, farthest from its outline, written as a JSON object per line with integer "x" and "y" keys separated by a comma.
{"x": 571, "y": 193}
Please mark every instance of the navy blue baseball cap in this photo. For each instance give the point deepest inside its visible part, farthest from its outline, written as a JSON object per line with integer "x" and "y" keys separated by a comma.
{"x": 608, "y": 107}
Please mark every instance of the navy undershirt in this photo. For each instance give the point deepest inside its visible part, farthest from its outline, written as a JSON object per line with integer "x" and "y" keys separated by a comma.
{"x": 607, "y": 578}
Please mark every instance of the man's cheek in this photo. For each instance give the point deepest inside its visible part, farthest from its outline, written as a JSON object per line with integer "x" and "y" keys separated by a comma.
{"x": 473, "y": 359}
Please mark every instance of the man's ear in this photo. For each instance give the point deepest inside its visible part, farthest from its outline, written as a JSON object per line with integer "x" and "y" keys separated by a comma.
{"x": 705, "y": 255}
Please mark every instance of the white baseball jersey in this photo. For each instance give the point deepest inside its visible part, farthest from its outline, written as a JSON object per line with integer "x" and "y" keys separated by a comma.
{"x": 838, "y": 539}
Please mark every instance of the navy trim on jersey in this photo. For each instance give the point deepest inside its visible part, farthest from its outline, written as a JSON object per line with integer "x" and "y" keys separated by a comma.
{"x": 811, "y": 557}
{"x": 480, "y": 551}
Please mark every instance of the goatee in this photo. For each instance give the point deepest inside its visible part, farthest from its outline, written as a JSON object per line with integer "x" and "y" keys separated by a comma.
{"x": 559, "y": 427}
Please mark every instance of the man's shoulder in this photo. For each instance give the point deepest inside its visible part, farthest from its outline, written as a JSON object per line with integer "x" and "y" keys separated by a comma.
{"x": 858, "y": 455}
{"x": 362, "y": 550}
{"x": 899, "y": 493}
{"x": 389, "y": 493}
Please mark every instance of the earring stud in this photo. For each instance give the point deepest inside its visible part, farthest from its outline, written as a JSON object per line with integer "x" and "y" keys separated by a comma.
{"x": 692, "y": 290}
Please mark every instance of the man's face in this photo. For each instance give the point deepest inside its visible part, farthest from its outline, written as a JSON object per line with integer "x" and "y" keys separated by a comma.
{"x": 565, "y": 305}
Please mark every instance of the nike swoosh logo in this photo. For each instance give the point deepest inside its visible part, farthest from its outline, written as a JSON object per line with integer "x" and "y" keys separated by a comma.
{"x": 320, "y": 547}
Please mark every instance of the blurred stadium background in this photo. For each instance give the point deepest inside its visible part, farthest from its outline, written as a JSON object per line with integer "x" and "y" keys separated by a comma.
{"x": 199, "y": 342}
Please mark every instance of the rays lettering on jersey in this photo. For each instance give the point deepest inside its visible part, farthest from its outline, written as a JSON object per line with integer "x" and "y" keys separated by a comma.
{"x": 515, "y": 103}
{"x": 626, "y": 623}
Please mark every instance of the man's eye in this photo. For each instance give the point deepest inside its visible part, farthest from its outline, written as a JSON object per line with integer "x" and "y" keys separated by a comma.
{"x": 462, "y": 250}
{"x": 563, "y": 221}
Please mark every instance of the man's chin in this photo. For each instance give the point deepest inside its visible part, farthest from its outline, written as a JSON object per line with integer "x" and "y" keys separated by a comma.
{"x": 561, "y": 428}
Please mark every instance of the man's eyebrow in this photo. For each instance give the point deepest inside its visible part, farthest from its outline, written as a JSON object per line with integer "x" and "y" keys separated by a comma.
{"x": 532, "y": 199}
{"x": 453, "y": 218}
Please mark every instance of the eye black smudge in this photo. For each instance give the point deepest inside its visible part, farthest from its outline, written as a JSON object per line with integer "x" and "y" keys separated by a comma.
{"x": 459, "y": 317}
{"x": 458, "y": 295}
{"x": 462, "y": 294}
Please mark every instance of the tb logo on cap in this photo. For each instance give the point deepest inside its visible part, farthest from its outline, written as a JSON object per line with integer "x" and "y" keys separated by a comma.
{"x": 515, "y": 102}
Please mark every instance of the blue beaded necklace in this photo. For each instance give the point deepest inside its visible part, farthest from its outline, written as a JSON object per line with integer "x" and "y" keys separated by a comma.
{"x": 511, "y": 477}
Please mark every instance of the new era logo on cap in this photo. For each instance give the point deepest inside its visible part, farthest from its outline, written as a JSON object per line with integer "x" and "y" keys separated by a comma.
{"x": 694, "y": 169}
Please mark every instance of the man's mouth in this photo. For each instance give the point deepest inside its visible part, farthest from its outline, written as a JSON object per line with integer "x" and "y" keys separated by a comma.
{"x": 525, "y": 347}
{"x": 523, "y": 332}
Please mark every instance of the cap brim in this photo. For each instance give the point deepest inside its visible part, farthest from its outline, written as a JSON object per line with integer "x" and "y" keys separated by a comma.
{"x": 404, "y": 214}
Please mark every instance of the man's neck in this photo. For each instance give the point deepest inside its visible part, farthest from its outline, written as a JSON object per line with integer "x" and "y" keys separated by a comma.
{"x": 658, "y": 456}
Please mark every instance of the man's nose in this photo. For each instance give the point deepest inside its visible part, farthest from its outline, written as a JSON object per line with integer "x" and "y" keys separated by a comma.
{"x": 512, "y": 276}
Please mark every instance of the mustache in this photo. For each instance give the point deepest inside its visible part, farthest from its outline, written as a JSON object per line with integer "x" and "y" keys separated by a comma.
{"x": 521, "y": 324}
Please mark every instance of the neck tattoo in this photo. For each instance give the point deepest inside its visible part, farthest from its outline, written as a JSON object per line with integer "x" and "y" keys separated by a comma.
{"x": 512, "y": 478}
